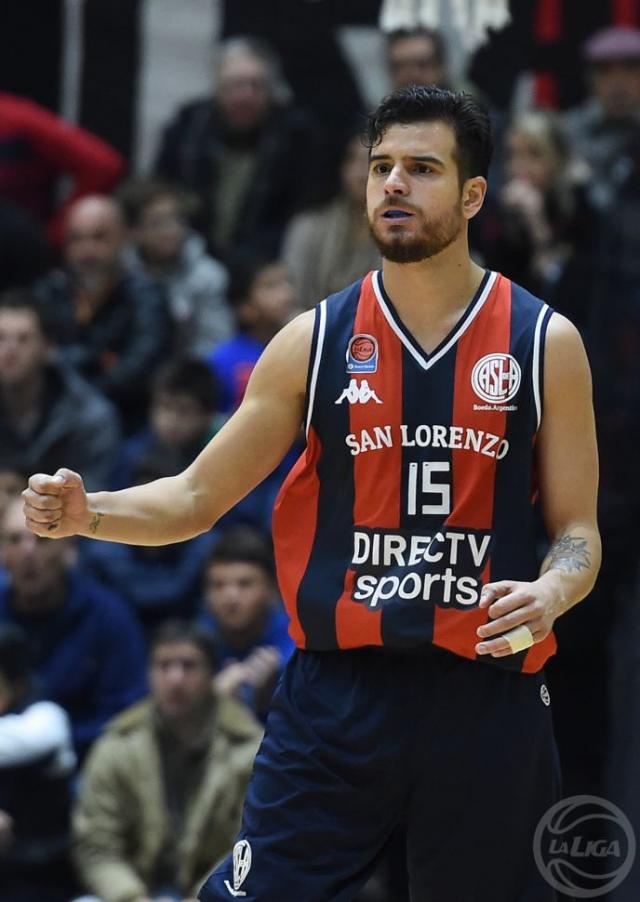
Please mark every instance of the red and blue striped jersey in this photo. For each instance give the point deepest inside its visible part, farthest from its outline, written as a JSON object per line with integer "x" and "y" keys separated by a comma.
{"x": 417, "y": 485}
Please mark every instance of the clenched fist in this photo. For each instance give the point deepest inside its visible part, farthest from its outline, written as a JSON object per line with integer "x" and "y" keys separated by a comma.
{"x": 56, "y": 506}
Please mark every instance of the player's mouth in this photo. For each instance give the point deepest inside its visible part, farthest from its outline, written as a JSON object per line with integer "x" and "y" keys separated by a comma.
{"x": 395, "y": 213}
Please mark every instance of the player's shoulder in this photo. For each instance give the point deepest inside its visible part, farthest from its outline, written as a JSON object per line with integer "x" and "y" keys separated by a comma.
{"x": 560, "y": 330}
{"x": 521, "y": 298}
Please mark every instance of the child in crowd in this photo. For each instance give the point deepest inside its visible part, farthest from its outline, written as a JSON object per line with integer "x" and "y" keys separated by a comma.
{"x": 247, "y": 620}
{"x": 182, "y": 419}
{"x": 264, "y": 300}
{"x": 164, "y": 248}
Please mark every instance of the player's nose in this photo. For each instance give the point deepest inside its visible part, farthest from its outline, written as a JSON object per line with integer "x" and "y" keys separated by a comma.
{"x": 396, "y": 183}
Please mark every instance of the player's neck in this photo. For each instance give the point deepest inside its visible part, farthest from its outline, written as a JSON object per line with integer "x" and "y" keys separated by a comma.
{"x": 435, "y": 289}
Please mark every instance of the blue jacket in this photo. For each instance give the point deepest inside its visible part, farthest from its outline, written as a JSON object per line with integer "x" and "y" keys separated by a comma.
{"x": 160, "y": 582}
{"x": 275, "y": 634}
{"x": 89, "y": 654}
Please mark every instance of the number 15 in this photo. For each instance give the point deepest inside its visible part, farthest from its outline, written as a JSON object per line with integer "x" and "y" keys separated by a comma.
{"x": 441, "y": 503}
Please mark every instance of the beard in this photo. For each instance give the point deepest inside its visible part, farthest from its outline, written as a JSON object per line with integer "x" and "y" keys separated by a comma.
{"x": 432, "y": 238}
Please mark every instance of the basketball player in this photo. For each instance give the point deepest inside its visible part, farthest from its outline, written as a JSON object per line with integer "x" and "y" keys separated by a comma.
{"x": 439, "y": 401}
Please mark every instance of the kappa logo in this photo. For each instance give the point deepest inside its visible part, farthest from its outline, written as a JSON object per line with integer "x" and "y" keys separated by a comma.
{"x": 241, "y": 867}
{"x": 358, "y": 393}
{"x": 496, "y": 378}
{"x": 362, "y": 354}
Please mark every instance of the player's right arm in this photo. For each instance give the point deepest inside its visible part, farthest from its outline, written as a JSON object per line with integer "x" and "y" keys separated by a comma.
{"x": 246, "y": 449}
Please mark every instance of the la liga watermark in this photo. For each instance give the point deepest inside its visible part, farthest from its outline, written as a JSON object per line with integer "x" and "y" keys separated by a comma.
{"x": 584, "y": 846}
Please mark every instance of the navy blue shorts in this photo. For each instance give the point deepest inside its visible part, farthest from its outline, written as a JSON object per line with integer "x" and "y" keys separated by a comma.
{"x": 462, "y": 753}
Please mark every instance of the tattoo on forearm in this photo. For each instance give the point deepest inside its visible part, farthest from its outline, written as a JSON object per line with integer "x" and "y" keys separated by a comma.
{"x": 569, "y": 554}
{"x": 95, "y": 523}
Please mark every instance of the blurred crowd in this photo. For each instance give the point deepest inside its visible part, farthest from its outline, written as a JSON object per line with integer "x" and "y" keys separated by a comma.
{"x": 134, "y": 682}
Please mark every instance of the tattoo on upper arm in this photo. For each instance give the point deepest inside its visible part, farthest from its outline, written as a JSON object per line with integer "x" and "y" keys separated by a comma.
{"x": 95, "y": 523}
{"x": 569, "y": 554}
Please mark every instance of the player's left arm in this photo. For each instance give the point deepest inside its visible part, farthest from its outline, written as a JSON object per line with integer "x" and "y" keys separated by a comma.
{"x": 567, "y": 461}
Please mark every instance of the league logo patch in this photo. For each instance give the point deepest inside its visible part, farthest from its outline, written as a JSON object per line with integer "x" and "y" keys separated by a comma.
{"x": 362, "y": 354}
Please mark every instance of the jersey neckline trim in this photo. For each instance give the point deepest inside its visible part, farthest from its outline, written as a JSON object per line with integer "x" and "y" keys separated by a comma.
{"x": 425, "y": 360}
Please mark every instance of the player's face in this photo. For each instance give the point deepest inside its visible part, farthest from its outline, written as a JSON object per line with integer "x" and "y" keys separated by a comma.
{"x": 180, "y": 679}
{"x": 238, "y": 595}
{"x": 414, "y": 198}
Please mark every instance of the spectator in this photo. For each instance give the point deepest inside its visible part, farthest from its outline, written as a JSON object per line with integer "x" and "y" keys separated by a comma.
{"x": 529, "y": 230}
{"x": 114, "y": 328}
{"x": 164, "y": 248}
{"x": 160, "y": 581}
{"x": 264, "y": 300}
{"x": 242, "y": 611}
{"x": 37, "y": 149}
{"x": 49, "y": 416}
{"x": 184, "y": 400}
{"x": 603, "y": 128}
{"x": 12, "y": 482}
{"x": 418, "y": 56}
{"x": 85, "y": 646}
{"x": 244, "y": 151}
{"x": 162, "y": 792}
{"x": 36, "y": 761}
{"x": 330, "y": 246}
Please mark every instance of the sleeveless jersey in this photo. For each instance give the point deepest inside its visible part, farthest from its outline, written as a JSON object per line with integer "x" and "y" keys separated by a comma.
{"x": 417, "y": 485}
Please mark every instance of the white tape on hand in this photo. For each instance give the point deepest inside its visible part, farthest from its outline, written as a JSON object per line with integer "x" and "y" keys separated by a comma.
{"x": 519, "y": 638}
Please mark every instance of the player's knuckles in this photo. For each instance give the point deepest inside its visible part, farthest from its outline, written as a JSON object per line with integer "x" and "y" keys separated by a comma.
{"x": 42, "y": 483}
{"x": 504, "y": 606}
{"x": 45, "y": 516}
{"x": 43, "y": 502}
{"x": 37, "y": 529}
{"x": 538, "y": 608}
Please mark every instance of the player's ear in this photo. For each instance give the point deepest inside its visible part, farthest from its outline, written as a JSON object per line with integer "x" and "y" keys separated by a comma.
{"x": 473, "y": 194}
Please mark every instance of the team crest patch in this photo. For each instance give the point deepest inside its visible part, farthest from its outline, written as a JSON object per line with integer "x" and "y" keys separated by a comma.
{"x": 241, "y": 867}
{"x": 496, "y": 378}
{"x": 362, "y": 354}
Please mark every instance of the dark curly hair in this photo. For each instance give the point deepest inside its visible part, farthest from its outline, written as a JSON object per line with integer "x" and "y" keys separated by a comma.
{"x": 426, "y": 103}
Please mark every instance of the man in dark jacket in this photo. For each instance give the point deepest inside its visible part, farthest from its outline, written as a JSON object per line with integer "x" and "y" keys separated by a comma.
{"x": 244, "y": 152}
{"x": 86, "y": 648}
{"x": 47, "y": 412}
{"x": 113, "y": 328}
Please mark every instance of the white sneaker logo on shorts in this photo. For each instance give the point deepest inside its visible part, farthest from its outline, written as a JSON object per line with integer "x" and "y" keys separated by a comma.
{"x": 544, "y": 695}
{"x": 241, "y": 867}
